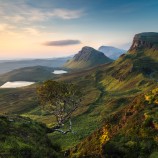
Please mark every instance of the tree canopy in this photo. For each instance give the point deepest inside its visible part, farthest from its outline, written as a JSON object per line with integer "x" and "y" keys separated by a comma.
{"x": 60, "y": 99}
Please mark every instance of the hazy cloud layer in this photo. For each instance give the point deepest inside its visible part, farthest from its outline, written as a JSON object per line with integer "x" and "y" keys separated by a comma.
{"x": 22, "y": 12}
{"x": 19, "y": 17}
{"x": 62, "y": 43}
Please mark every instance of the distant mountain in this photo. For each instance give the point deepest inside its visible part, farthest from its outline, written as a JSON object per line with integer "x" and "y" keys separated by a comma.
{"x": 86, "y": 58}
{"x": 35, "y": 73}
{"x": 111, "y": 52}
{"x": 3, "y": 61}
{"x": 6, "y": 66}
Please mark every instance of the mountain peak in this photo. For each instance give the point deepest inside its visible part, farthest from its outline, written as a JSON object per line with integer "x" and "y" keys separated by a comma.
{"x": 87, "y": 48}
{"x": 111, "y": 52}
{"x": 87, "y": 57}
{"x": 145, "y": 40}
{"x": 87, "y": 53}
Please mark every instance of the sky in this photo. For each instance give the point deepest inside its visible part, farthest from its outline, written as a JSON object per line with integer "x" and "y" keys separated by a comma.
{"x": 55, "y": 28}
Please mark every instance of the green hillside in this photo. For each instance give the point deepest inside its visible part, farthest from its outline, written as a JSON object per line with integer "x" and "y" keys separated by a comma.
{"x": 116, "y": 84}
{"x": 24, "y": 138}
{"x": 117, "y": 117}
{"x": 128, "y": 132}
{"x": 35, "y": 73}
{"x": 10, "y": 65}
{"x": 19, "y": 100}
{"x": 86, "y": 58}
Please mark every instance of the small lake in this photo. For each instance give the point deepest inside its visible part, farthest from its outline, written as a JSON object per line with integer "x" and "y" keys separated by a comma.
{"x": 16, "y": 84}
{"x": 57, "y": 72}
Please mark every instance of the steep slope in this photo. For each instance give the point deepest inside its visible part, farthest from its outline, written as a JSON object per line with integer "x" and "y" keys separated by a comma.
{"x": 86, "y": 58}
{"x": 111, "y": 52}
{"x": 23, "y": 138}
{"x": 142, "y": 56}
{"x": 130, "y": 132}
{"x": 130, "y": 124}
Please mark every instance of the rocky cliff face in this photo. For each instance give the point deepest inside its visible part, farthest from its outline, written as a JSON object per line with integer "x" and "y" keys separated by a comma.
{"x": 145, "y": 40}
{"x": 87, "y": 53}
{"x": 141, "y": 58}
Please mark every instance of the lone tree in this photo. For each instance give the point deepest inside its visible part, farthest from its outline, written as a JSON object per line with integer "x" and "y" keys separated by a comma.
{"x": 61, "y": 100}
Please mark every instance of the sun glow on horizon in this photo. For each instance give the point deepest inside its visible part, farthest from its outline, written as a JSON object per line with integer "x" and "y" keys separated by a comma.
{"x": 66, "y": 27}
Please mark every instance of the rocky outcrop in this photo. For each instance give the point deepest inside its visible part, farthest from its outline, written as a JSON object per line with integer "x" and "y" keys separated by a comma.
{"x": 87, "y": 53}
{"x": 145, "y": 40}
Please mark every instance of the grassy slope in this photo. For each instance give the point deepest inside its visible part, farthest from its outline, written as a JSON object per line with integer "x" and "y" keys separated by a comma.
{"x": 130, "y": 132}
{"x": 122, "y": 82}
{"x": 24, "y": 138}
{"x": 85, "y": 64}
{"x": 87, "y": 58}
{"x": 107, "y": 89}
{"x": 18, "y": 100}
{"x": 117, "y": 84}
{"x": 36, "y": 73}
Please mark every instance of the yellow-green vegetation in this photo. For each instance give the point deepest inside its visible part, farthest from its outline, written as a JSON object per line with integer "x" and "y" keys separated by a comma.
{"x": 104, "y": 136}
{"x": 105, "y": 92}
{"x": 118, "y": 113}
{"x": 18, "y": 100}
{"x": 23, "y": 138}
{"x": 86, "y": 58}
{"x": 152, "y": 97}
{"x": 126, "y": 133}
{"x": 122, "y": 106}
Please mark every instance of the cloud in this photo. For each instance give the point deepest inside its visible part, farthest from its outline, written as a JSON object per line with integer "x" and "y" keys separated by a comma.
{"x": 18, "y": 17}
{"x": 4, "y": 27}
{"x": 31, "y": 31}
{"x": 62, "y": 43}
{"x": 22, "y": 12}
{"x": 68, "y": 14}
{"x": 7, "y": 29}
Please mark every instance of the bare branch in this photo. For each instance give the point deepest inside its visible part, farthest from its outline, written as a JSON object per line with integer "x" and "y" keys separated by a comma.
{"x": 57, "y": 128}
